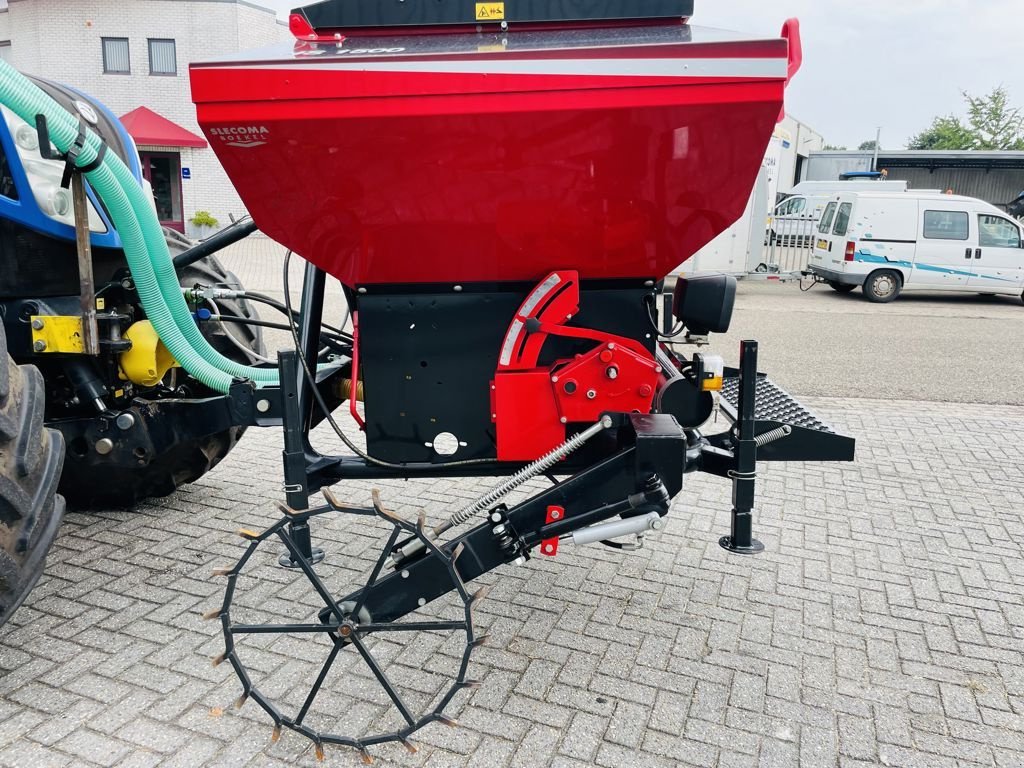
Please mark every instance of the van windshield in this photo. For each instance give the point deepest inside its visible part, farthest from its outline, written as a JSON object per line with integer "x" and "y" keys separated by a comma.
{"x": 826, "y": 218}
{"x": 843, "y": 219}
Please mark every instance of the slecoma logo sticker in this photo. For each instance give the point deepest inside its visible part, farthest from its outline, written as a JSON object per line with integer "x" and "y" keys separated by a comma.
{"x": 242, "y": 135}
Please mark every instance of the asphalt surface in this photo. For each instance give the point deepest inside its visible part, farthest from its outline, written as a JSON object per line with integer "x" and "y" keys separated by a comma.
{"x": 926, "y": 346}
{"x": 942, "y": 347}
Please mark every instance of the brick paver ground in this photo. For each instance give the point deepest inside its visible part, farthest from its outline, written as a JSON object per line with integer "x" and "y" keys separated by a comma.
{"x": 884, "y": 624}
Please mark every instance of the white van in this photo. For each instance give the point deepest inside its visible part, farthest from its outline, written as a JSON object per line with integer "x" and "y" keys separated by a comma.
{"x": 794, "y": 219}
{"x": 892, "y": 242}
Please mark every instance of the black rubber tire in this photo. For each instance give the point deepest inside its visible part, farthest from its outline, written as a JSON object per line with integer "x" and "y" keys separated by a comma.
{"x": 841, "y": 287}
{"x": 87, "y": 487}
{"x": 31, "y": 457}
{"x": 883, "y": 286}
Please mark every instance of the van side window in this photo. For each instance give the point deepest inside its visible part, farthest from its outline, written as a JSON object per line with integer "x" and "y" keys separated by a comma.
{"x": 843, "y": 219}
{"x": 997, "y": 232}
{"x": 826, "y": 218}
{"x": 799, "y": 203}
{"x": 946, "y": 225}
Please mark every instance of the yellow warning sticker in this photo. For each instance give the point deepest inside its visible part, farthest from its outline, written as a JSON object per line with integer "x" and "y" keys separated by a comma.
{"x": 490, "y": 11}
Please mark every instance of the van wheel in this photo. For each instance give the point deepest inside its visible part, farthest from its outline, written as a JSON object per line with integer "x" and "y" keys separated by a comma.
{"x": 840, "y": 287}
{"x": 883, "y": 286}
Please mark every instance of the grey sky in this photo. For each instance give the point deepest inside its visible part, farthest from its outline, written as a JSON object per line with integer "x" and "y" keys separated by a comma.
{"x": 893, "y": 63}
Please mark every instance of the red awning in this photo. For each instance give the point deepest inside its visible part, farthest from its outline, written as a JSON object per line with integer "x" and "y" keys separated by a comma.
{"x": 151, "y": 129}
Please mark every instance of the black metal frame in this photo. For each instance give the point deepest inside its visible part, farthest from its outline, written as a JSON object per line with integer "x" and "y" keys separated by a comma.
{"x": 643, "y": 459}
{"x": 733, "y": 454}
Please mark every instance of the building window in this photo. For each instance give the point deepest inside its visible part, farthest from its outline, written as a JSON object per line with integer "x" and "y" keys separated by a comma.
{"x": 163, "y": 59}
{"x": 115, "y": 56}
{"x": 945, "y": 225}
{"x": 5, "y": 50}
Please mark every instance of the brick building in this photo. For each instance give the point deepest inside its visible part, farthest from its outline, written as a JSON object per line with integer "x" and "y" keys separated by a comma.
{"x": 133, "y": 56}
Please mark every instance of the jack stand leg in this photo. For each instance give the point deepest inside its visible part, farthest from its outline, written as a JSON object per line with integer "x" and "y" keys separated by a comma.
{"x": 299, "y": 533}
{"x": 741, "y": 539}
{"x": 295, "y": 480}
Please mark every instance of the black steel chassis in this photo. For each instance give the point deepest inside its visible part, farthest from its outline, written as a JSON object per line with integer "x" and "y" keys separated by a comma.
{"x": 635, "y": 467}
{"x": 766, "y": 424}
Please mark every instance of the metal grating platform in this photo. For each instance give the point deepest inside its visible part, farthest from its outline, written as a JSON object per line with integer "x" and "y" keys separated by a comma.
{"x": 775, "y": 404}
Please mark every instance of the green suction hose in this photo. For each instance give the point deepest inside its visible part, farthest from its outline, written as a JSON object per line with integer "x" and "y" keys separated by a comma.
{"x": 141, "y": 236}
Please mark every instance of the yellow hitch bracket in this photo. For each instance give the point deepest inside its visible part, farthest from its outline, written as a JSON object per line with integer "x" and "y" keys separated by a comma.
{"x": 148, "y": 361}
{"x": 57, "y": 333}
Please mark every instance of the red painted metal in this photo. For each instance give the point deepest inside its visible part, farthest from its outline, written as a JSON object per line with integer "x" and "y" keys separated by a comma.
{"x": 795, "y": 56}
{"x": 587, "y": 386}
{"x": 549, "y": 547}
{"x": 526, "y": 415}
{"x": 502, "y": 158}
{"x": 555, "y": 300}
{"x": 531, "y": 405}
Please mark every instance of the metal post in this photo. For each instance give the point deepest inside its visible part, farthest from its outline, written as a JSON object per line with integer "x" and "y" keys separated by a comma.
{"x": 312, "y": 314}
{"x": 741, "y": 538}
{"x": 296, "y": 483}
{"x": 87, "y": 286}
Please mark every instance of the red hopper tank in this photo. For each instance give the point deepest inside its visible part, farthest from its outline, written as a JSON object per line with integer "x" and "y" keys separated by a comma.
{"x": 425, "y": 157}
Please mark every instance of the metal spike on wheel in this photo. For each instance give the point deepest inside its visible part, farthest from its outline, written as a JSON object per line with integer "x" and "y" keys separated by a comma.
{"x": 349, "y": 626}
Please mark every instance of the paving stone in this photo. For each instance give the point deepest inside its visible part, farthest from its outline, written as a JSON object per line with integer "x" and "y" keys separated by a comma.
{"x": 883, "y": 625}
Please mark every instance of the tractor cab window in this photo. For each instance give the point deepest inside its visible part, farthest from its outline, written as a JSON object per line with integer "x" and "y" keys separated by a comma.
{"x": 7, "y": 188}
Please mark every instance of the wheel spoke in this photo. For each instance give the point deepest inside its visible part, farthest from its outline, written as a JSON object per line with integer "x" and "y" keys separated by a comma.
{"x": 383, "y": 679}
{"x": 282, "y": 629}
{"x": 385, "y": 553}
{"x": 319, "y": 681}
{"x": 307, "y": 569}
{"x": 412, "y": 626}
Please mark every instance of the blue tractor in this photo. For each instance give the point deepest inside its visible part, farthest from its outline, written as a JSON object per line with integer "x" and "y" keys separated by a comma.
{"x": 92, "y": 406}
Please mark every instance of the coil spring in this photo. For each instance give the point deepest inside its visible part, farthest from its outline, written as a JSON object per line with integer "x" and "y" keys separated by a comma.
{"x": 776, "y": 434}
{"x": 542, "y": 464}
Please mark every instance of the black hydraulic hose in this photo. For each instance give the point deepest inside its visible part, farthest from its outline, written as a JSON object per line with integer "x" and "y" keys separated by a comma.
{"x": 262, "y": 298}
{"x": 227, "y": 236}
{"x": 276, "y": 326}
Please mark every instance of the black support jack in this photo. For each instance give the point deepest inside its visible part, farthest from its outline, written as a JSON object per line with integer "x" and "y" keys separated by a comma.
{"x": 744, "y": 473}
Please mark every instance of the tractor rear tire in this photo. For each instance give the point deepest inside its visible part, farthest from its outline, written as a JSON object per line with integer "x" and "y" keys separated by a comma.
{"x": 31, "y": 457}
{"x": 88, "y": 487}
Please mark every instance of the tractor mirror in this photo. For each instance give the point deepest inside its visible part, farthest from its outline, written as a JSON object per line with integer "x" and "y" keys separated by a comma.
{"x": 704, "y": 303}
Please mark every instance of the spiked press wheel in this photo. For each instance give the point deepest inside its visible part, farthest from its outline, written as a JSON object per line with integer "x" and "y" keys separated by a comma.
{"x": 351, "y": 632}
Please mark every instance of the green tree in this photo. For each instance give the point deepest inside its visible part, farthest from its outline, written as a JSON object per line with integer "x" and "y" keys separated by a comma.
{"x": 833, "y": 148}
{"x": 996, "y": 124}
{"x": 868, "y": 146}
{"x": 991, "y": 124}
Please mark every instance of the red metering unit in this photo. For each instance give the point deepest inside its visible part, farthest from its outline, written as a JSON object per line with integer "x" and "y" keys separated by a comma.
{"x": 501, "y": 188}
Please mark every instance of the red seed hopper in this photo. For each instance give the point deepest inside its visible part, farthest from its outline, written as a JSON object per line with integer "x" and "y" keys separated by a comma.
{"x": 386, "y": 147}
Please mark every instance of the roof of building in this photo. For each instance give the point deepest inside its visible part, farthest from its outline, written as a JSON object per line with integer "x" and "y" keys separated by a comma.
{"x": 154, "y": 130}
{"x": 926, "y": 158}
